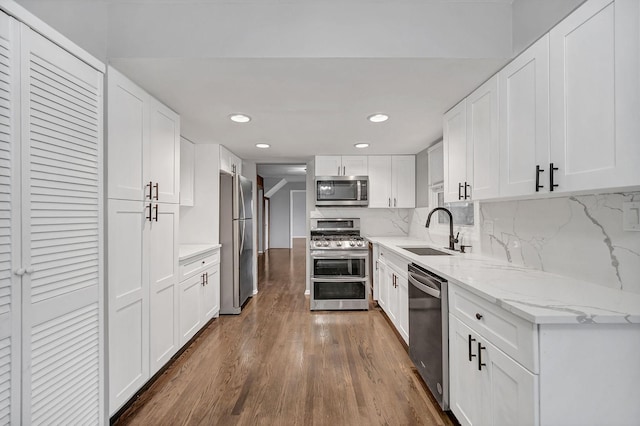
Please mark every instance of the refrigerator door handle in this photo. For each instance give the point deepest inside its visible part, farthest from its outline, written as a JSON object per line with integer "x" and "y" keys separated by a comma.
{"x": 241, "y": 200}
{"x": 242, "y": 237}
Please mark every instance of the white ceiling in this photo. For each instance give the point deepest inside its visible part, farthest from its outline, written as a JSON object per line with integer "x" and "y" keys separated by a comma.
{"x": 308, "y": 72}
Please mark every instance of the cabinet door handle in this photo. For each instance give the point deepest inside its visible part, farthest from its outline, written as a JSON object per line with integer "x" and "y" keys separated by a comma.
{"x": 344, "y": 170}
{"x": 20, "y": 272}
{"x": 478, "y": 316}
{"x": 376, "y": 265}
{"x": 206, "y": 278}
{"x": 395, "y": 202}
{"x": 157, "y": 186}
{"x": 466, "y": 185}
{"x": 156, "y": 213}
{"x": 471, "y": 355}
{"x": 538, "y": 171}
{"x": 459, "y": 191}
{"x": 202, "y": 280}
{"x": 480, "y": 363}
{"x": 551, "y": 184}
{"x": 148, "y": 216}
{"x": 150, "y": 185}
{"x": 389, "y": 201}
{"x": 338, "y": 170}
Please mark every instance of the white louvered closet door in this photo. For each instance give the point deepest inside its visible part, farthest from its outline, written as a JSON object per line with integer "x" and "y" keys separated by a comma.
{"x": 9, "y": 240}
{"x": 61, "y": 213}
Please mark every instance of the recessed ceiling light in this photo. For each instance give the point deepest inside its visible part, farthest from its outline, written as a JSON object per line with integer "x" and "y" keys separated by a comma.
{"x": 378, "y": 118}
{"x": 263, "y": 145}
{"x": 361, "y": 145}
{"x": 240, "y": 118}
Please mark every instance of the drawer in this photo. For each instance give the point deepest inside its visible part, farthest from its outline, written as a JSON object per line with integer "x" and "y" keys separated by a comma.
{"x": 515, "y": 336}
{"x": 391, "y": 259}
{"x": 197, "y": 264}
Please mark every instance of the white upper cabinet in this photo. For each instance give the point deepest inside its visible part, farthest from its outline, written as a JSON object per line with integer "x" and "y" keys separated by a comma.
{"x": 482, "y": 141}
{"x": 458, "y": 166}
{"x": 187, "y": 172}
{"x": 346, "y": 165}
{"x": 164, "y": 153}
{"x": 144, "y": 144}
{"x": 523, "y": 88}
{"x": 392, "y": 181}
{"x": 229, "y": 162}
{"x": 594, "y": 97}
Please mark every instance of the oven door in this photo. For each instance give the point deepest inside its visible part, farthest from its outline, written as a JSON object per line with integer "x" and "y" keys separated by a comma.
{"x": 331, "y": 265}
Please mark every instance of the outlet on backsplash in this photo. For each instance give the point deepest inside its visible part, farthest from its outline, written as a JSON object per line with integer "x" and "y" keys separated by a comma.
{"x": 631, "y": 216}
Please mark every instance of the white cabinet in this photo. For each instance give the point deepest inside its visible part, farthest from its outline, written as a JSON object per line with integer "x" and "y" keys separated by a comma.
{"x": 458, "y": 165}
{"x": 164, "y": 339}
{"x": 487, "y": 387}
{"x": 187, "y": 172}
{"x": 229, "y": 162}
{"x": 482, "y": 141}
{"x": 51, "y": 316}
{"x": 393, "y": 295}
{"x": 144, "y": 157}
{"x": 594, "y": 97}
{"x": 143, "y": 298}
{"x": 523, "y": 87}
{"x": 144, "y": 144}
{"x": 392, "y": 181}
{"x": 199, "y": 293}
{"x": 507, "y": 370}
{"x": 336, "y": 165}
{"x": 470, "y": 143}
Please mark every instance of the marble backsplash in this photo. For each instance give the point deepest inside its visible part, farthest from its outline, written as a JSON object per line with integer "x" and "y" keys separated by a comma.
{"x": 373, "y": 222}
{"x": 578, "y": 236}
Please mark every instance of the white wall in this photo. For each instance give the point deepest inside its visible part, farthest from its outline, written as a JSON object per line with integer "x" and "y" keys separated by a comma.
{"x": 279, "y": 230}
{"x": 249, "y": 171}
{"x": 299, "y": 211}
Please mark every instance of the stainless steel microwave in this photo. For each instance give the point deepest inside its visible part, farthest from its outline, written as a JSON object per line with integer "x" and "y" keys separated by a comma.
{"x": 342, "y": 191}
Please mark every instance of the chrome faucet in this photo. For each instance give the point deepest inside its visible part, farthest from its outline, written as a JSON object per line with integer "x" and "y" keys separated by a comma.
{"x": 452, "y": 240}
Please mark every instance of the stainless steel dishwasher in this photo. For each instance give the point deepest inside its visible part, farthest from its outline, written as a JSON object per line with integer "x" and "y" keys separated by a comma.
{"x": 429, "y": 330}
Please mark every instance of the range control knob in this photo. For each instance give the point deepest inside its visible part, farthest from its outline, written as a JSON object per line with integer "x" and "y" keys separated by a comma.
{"x": 360, "y": 243}
{"x": 352, "y": 243}
{"x": 338, "y": 243}
{"x": 318, "y": 243}
{"x": 326, "y": 243}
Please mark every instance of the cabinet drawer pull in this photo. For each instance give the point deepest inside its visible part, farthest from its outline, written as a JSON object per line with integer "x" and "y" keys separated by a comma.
{"x": 471, "y": 355}
{"x": 478, "y": 316}
{"x": 538, "y": 171}
{"x": 157, "y": 188}
{"x": 150, "y": 185}
{"x": 156, "y": 213}
{"x": 551, "y": 184}
{"x": 459, "y": 191}
{"x": 466, "y": 185}
{"x": 480, "y": 363}
{"x": 148, "y": 216}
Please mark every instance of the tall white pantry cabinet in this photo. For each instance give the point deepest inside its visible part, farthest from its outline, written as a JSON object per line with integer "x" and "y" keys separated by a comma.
{"x": 143, "y": 188}
{"x": 51, "y": 260}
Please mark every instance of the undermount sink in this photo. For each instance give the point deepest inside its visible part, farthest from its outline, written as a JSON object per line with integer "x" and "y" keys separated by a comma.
{"x": 426, "y": 251}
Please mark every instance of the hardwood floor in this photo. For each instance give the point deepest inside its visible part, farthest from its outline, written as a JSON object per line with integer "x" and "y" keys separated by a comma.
{"x": 279, "y": 363}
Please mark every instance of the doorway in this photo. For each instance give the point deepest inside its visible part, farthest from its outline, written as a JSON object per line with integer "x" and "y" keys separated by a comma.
{"x": 297, "y": 215}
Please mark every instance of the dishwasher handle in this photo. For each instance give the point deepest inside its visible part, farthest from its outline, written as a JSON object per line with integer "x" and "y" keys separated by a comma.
{"x": 424, "y": 287}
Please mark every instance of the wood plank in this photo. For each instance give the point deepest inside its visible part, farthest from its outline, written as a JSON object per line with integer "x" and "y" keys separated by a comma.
{"x": 279, "y": 363}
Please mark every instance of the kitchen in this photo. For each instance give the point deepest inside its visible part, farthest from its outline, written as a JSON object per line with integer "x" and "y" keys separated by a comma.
{"x": 538, "y": 231}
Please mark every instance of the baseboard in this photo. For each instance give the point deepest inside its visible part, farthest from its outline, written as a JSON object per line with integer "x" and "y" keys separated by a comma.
{"x": 307, "y": 292}
{"x": 255, "y": 292}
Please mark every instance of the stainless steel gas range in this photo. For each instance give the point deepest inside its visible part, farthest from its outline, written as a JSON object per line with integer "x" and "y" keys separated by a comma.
{"x": 339, "y": 265}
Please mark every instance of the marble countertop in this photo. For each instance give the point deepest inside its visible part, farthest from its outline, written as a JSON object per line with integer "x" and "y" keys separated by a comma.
{"x": 186, "y": 251}
{"x": 537, "y": 296}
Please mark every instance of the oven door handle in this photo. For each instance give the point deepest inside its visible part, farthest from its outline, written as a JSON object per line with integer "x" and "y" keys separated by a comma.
{"x": 341, "y": 256}
{"x": 341, "y": 279}
{"x": 424, "y": 287}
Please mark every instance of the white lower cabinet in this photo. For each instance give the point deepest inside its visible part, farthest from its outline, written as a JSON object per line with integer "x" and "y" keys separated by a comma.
{"x": 393, "y": 294}
{"x": 504, "y": 370}
{"x": 143, "y": 294}
{"x": 488, "y": 387}
{"x": 199, "y": 293}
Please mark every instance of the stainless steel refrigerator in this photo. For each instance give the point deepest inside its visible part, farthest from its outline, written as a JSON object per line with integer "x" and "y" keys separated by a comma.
{"x": 236, "y": 237}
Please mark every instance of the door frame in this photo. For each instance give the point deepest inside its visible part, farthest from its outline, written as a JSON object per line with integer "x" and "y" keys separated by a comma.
{"x": 291, "y": 236}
